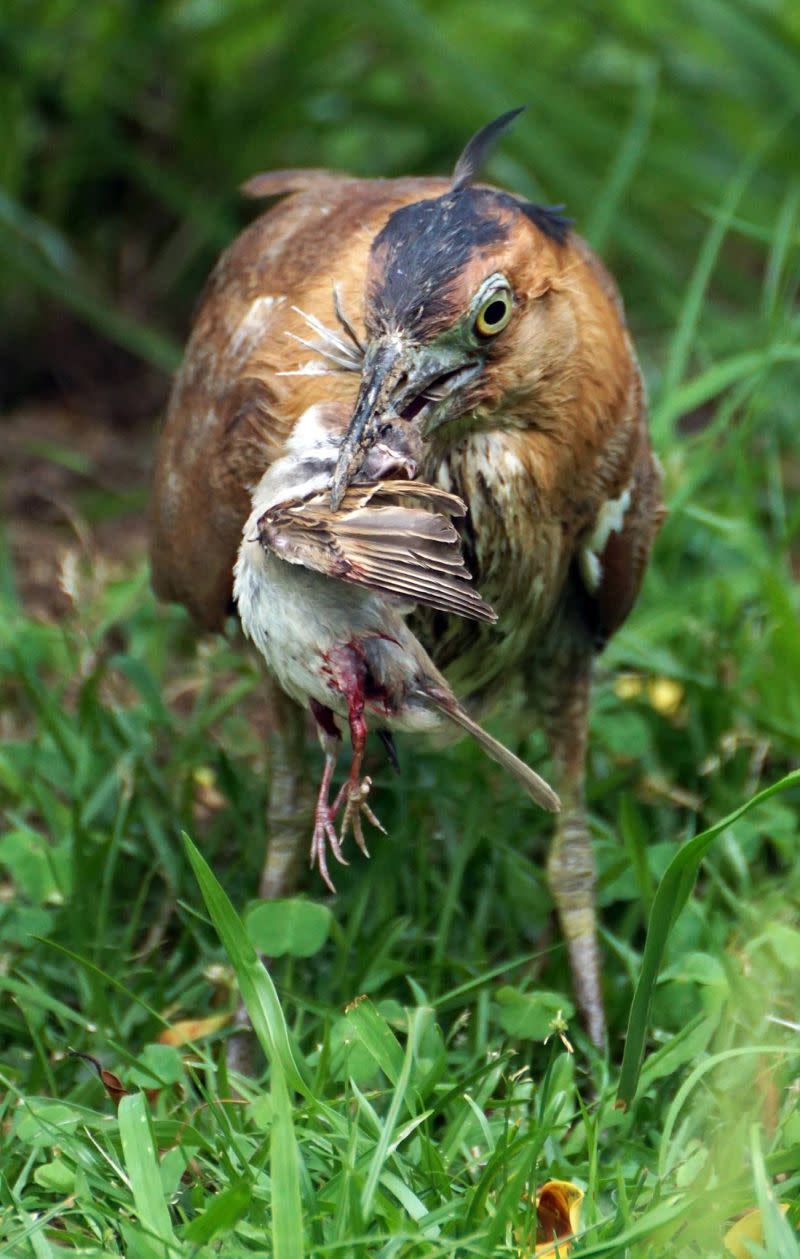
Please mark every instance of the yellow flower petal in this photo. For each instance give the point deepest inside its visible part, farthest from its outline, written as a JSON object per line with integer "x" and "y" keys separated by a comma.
{"x": 628, "y": 686}
{"x": 750, "y": 1228}
{"x": 204, "y": 776}
{"x": 665, "y": 695}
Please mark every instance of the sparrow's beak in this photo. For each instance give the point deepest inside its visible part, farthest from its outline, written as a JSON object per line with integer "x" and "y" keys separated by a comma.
{"x": 387, "y": 462}
{"x": 401, "y": 380}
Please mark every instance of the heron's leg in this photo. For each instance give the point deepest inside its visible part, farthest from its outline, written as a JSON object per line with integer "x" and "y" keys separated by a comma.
{"x": 289, "y": 809}
{"x": 290, "y": 798}
{"x": 564, "y": 703}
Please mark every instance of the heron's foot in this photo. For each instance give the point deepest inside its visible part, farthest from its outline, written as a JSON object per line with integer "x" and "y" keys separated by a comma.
{"x": 570, "y": 870}
{"x": 354, "y": 793}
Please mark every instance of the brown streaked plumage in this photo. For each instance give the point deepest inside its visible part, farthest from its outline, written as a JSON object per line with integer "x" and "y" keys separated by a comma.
{"x": 538, "y": 424}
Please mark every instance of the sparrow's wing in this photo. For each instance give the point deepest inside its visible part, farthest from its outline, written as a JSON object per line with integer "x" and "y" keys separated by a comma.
{"x": 394, "y": 536}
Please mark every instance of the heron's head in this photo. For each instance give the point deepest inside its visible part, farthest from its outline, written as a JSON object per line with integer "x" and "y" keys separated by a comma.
{"x": 451, "y": 285}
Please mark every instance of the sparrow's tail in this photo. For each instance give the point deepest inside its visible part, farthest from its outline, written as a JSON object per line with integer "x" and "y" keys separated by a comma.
{"x": 538, "y": 790}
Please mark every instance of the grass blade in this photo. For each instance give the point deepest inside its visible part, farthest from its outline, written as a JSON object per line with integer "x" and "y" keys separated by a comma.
{"x": 39, "y": 251}
{"x": 671, "y": 896}
{"x": 704, "y": 1068}
{"x": 627, "y": 159}
{"x": 257, "y": 989}
{"x": 683, "y": 340}
{"x": 387, "y": 1132}
{"x": 721, "y": 376}
{"x": 779, "y": 1236}
{"x": 225, "y": 1209}
{"x": 287, "y": 1213}
{"x": 261, "y": 999}
{"x": 139, "y": 1151}
{"x": 783, "y": 237}
{"x": 377, "y": 1038}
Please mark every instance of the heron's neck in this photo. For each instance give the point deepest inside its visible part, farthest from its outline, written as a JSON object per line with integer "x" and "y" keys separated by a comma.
{"x": 515, "y": 535}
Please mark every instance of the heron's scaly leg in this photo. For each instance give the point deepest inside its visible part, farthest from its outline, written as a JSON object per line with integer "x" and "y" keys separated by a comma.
{"x": 570, "y": 864}
{"x": 288, "y": 810}
{"x": 290, "y": 798}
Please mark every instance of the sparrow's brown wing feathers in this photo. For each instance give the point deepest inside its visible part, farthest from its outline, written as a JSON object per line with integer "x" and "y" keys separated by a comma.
{"x": 381, "y": 538}
{"x": 402, "y": 494}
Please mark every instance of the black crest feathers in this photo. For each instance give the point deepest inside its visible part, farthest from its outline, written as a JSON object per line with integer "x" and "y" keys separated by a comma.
{"x": 550, "y": 219}
{"x": 479, "y": 147}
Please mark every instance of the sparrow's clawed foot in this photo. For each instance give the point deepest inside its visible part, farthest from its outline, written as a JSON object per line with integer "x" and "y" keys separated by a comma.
{"x": 353, "y": 795}
{"x": 324, "y": 837}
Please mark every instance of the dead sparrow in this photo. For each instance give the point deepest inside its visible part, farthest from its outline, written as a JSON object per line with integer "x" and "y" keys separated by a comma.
{"x": 323, "y": 595}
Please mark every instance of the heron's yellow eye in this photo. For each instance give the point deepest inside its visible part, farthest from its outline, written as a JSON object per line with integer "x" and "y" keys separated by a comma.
{"x": 494, "y": 314}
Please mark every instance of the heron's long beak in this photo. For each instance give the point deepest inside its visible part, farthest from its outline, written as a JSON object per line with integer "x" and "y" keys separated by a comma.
{"x": 384, "y": 369}
{"x": 399, "y": 379}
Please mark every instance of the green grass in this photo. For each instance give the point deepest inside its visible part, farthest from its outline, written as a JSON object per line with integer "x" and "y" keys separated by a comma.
{"x": 414, "y": 1087}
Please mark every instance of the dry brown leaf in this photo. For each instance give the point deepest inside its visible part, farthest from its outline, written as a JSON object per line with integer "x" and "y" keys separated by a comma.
{"x": 111, "y": 1083}
{"x": 186, "y": 1030}
{"x": 558, "y": 1218}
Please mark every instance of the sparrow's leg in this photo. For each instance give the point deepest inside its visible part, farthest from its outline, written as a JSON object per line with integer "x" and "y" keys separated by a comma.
{"x": 351, "y": 679}
{"x": 325, "y": 813}
{"x": 563, "y": 699}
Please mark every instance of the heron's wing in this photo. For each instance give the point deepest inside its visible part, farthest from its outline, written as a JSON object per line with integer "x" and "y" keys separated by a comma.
{"x": 613, "y": 560}
{"x": 393, "y": 537}
{"x": 277, "y": 183}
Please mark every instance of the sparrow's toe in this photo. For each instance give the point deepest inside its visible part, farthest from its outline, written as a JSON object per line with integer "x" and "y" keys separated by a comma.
{"x": 325, "y": 837}
{"x": 356, "y": 806}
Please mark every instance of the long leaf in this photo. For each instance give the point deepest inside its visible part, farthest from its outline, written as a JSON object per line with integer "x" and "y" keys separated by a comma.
{"x": 139, "y": 1151}
{"x": 722, "y": 376}
{"x": 779, "y": 1236}
{"x": 683, "y": 338}
{"x": 377, "y": 1038}
{"x": 387, "y": 1131}
{"x": 257, "y": 989}
{"x": 704, "y": 1068}
{"x": 672, "y": 894}
{"x": 287, "y": 1213}
{"x": 627, "y": 159}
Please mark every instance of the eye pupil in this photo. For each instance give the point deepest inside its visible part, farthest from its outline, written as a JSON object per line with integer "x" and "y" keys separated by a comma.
{"x": 495, "y": 312}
